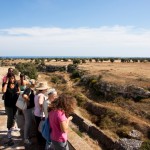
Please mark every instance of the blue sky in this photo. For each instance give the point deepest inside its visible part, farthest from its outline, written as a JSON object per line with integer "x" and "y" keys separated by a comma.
{"x": 75, "y": 28}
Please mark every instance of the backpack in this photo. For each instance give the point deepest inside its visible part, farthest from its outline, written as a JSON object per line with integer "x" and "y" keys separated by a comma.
{"x": 46, "y": 130}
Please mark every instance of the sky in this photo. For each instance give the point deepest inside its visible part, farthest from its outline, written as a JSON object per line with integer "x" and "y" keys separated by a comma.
{"x": 103, "y": 28}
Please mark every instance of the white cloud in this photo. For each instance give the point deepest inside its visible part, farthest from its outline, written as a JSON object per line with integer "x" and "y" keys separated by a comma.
{"x": 125, "y": 41}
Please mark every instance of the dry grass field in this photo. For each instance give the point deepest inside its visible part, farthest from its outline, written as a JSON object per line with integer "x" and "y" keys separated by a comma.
{"x": 121, "y": 73}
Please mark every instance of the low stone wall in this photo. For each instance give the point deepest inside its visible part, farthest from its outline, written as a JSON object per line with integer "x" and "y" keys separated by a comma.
{"x": 95, "y": 133}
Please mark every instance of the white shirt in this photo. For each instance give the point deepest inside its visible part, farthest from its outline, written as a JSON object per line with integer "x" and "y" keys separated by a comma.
{"x": 45, "y": 107}
{"x": 39, "y": 100}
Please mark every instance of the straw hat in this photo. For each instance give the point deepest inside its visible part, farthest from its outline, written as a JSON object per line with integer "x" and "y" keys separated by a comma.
{"x": 42, "y": 86}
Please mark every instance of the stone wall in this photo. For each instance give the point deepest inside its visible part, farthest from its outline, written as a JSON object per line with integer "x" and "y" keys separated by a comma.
{"x": 104, "y": 140}
{"x": 94, "y": 133}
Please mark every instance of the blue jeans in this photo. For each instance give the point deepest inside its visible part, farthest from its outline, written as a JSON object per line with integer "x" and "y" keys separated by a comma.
{"x": 60, "y": 145}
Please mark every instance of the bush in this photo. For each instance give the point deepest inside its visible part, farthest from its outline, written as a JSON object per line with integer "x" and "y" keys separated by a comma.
{"x": 75, "y": 74}
{"x": 58, "y": 79}
{"x": 145, "y": 145}
{"x": 81, "y": 99}
{"x": 76, "y": 79}
{"x": 123, "y": 132}
{"x": 76, "y": 61}
{"x": 83, "y": 60}
{"x": 107, "y": 123}
{"x": 112, "y": 60}
{"x": 55, "y": 79}
{"x": 92, "y": 82}
{"x": 16, "y": 72}
{"x": 71, "y": 67}
{"x": 28, "y": 69}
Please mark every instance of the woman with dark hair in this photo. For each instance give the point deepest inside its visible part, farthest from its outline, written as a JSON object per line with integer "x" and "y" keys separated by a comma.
{"x": 28, "y": 96}
{"x": 22, "y": 82}
{"x": 59, "y": 119}
{"x": 9, "y": 73}
{"x": 11, "y": 90}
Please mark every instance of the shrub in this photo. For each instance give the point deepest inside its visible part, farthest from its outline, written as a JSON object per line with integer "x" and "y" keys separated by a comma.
{"x": 55, "y": 79}
{"x": 16, "y": 72}
{"x": 92, "y": 82}
{"x": 81, "y": 99}
{"x": 72, "y": 67}
{"x": 76, "y": 61}
{"x": 28, "y": 69}
{"x": 112, "y": 60}
{"x": 83, "y": 60}
{"x": 75, "y": 74}
{"x": 107, "y": 123}
{"x": 95, "y": 119}
{"x": 76, "y": 79}
{"x": 58, "y": 79}
{"x": 145, "y": 145}
{"x": 92, "y": 78}
{"x": 96, "y": 59}
{"x": 37, "y": 61}
{"x": 123, "y": 132}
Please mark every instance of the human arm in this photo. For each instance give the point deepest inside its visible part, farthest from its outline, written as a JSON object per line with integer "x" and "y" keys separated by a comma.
{"x": 4, "y": 86}
{"x": 65, "y": 124}
{"x": 41, "y": 101}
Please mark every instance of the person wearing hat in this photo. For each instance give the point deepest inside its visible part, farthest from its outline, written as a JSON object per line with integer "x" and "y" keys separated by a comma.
{"x": 38, "y": 109}
{"x": 28, "y": 96}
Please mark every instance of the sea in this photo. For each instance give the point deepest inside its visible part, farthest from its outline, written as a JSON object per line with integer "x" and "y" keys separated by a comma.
{"x": 34, "y": 57}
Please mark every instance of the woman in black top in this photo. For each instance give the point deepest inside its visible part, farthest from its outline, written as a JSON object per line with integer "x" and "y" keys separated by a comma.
{"x": 28, "y": 96}
{"x": 11, "y": 90}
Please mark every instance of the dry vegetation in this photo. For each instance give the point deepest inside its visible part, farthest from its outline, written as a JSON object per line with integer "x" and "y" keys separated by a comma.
{"x": 121, "y": 115}
{"x": 121, "y": 73}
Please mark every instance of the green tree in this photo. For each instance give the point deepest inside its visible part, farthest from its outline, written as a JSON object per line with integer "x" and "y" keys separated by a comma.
{"x": 28, "y": 69}
{"x": 76, "y": 61}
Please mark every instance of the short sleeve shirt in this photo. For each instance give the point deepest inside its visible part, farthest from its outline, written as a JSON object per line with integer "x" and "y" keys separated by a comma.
{"x": 55, "y": 118}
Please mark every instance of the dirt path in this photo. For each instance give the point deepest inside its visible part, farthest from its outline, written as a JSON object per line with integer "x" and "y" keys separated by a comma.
{"x": 17, "y": 142}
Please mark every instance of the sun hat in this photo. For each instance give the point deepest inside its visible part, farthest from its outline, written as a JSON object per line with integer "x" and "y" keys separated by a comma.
{"x": 51, "y": 91}
{"x": 42, "y": 86}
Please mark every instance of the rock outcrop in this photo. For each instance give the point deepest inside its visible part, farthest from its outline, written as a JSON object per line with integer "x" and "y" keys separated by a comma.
{"x": 111, "y": 91}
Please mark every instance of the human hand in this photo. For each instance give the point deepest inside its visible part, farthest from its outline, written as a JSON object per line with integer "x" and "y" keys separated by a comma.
{"x": 70, "y": 118}
{"x": 7, "y": 80}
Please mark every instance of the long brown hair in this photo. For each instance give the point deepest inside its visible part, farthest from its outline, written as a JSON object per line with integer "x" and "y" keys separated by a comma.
{"x": 22, "y": 77}
{"x": 65, "y": 103}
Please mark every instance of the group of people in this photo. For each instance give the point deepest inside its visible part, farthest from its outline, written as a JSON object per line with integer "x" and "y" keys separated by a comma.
{"x": 42, "y": 102}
